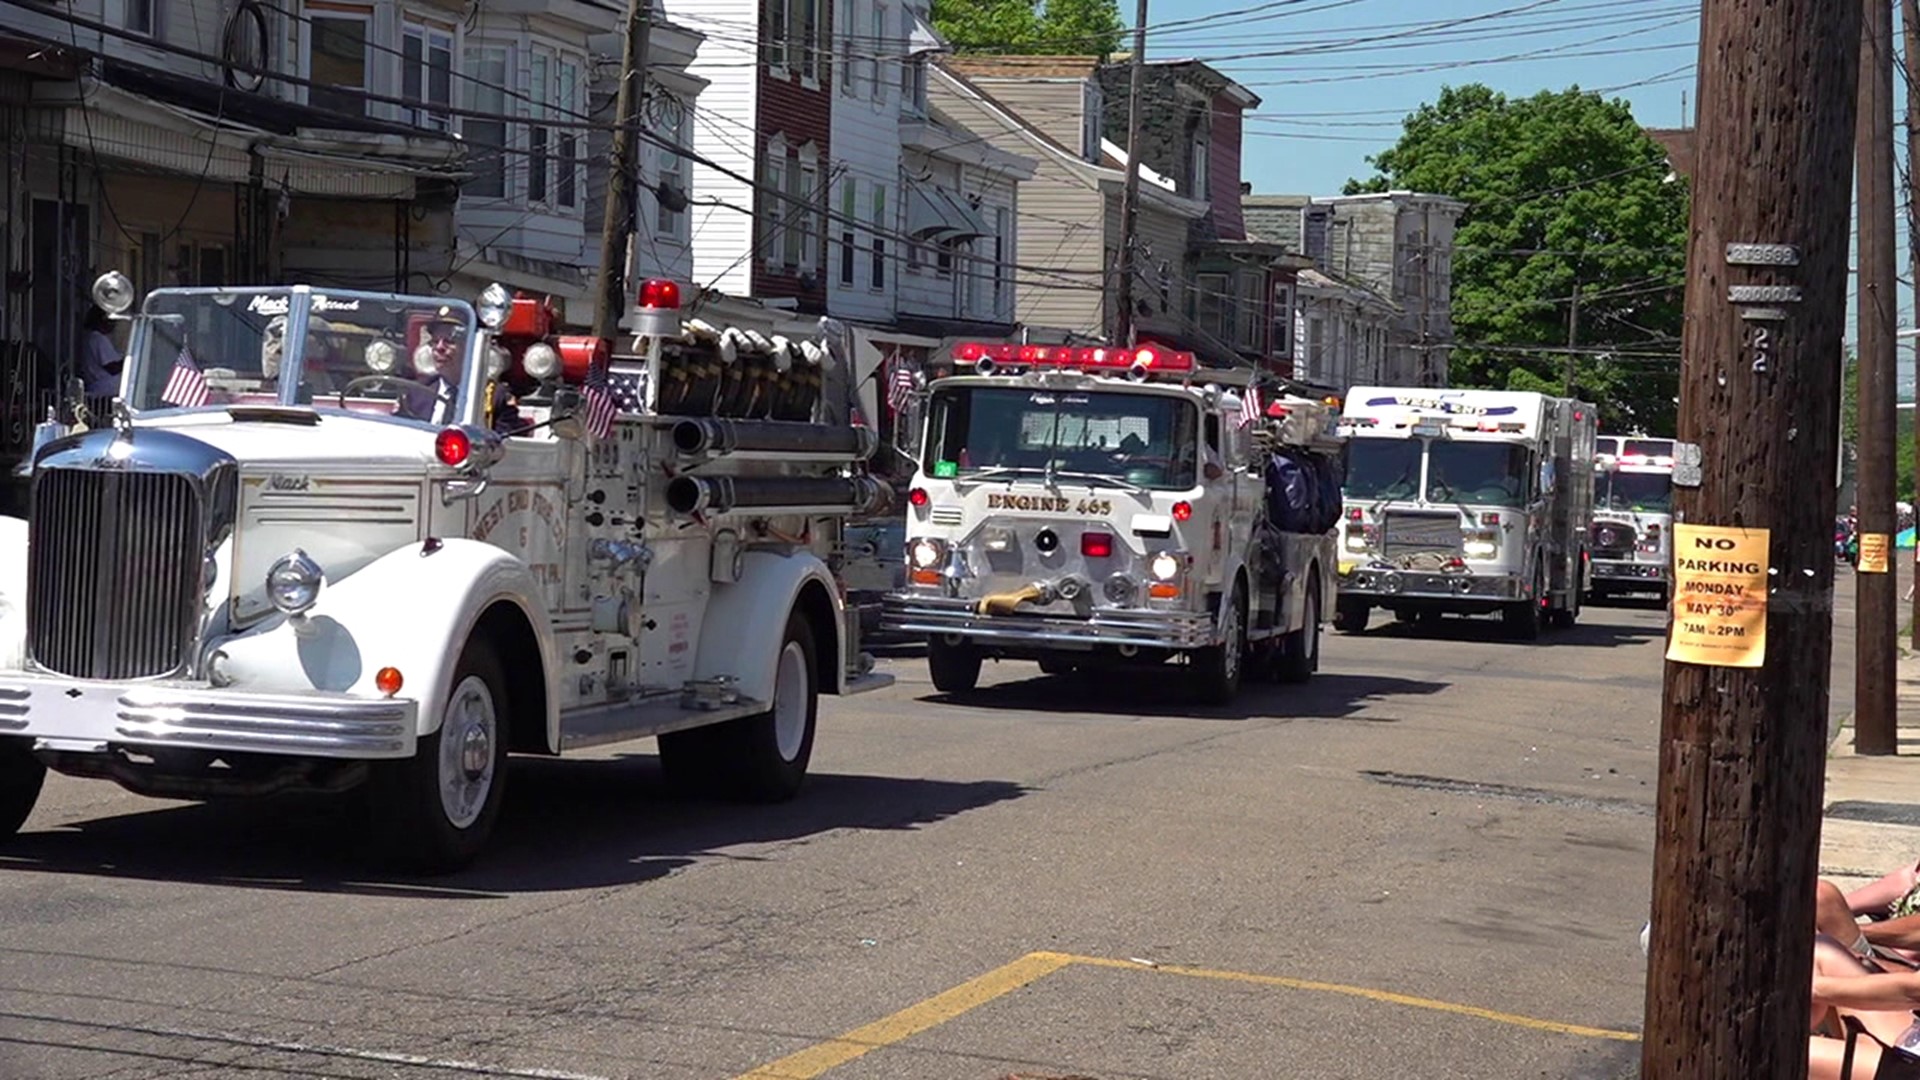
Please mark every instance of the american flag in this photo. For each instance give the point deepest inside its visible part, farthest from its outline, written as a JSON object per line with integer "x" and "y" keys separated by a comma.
{"x": 186, "y": 386}
{"x": 1249, "y": 406}
{"x": 899, "y": 384}
{"x": 601, "y": 408}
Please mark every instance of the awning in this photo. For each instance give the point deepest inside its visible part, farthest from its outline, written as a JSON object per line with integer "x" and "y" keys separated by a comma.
{"x": 942, "y": 216}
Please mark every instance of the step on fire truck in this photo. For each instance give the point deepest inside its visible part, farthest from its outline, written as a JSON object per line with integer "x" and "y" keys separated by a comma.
{"x": 1465, "y": 501}
{"x": 1090, "y": 507}
{"x": 334, "y": 539}
{"x": 1632, "y": 542}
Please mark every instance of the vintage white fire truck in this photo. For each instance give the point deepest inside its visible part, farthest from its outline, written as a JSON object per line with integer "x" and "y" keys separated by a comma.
{"x": 1467, "y": 502}
{"x": 335, "y": 539}
{"x": 1632, "y": 541}
{"x": 1087, "y": 507}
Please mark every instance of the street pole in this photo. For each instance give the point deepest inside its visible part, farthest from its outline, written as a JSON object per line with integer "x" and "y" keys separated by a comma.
{"x": 616, "y": 226}
{"x": 1742, "y": 748}
{"x": 1910, "y": 24}
{"x": 1875, "y": 637}
{"x": 1573, "y": 339}
{"x": 1123, "y": 329}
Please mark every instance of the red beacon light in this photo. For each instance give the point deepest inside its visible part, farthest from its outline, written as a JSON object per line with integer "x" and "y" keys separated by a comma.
{"x": 582, "y": 357}
{"x": 659, "y": 309}
{"x": 453, "y": 447}
{"x": 529, "y": 317}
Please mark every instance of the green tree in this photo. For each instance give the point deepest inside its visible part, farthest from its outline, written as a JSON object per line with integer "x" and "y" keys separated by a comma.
{"x": 1023, "y": 27}
{"x": 1566, "y": 196}
{"x": 1904, "y": 437}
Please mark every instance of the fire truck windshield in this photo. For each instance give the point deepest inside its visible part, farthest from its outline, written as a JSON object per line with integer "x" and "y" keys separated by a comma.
{"x": 1477, "y": 473}
{"x": 384, "y": 355}
{"x": 1383, "y": 469}
{"x": 1149, "y": 440}
{"x": 1644, "y": 492}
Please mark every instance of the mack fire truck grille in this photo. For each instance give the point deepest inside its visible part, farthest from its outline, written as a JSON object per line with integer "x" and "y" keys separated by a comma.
{"x": 1420, "y": 534}
{"x": 114, "y": 568}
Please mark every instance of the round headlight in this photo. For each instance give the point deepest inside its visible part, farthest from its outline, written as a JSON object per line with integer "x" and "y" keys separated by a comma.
{"x": 497, "y": 361}
{"x": 294, "y": 581}
{"x": 1164, "y": 566}
{"x": 540, "y": 361}
{"x": 423, "y": 360}
{"x": 113, "y": 291}
{"x": 926, "y": 554}
{"x": 381, "y": 357}
{"x": 493, "y": 306}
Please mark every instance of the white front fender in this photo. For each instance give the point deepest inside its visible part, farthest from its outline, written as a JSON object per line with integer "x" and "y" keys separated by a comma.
{"x": 412, "y": 609}
{"x": 746, "y": 621}
{"x": 13, "y": 594}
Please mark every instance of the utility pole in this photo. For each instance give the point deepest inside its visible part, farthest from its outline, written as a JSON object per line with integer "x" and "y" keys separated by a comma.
{"x": 1910, "y": 25}
{"x": 1742, "y": 740}
{"x": 1875, "y": 726}
{"x": 1573, "y": 338}
{"x": 616, "y": 226}
{"x": 1123, "y": 330}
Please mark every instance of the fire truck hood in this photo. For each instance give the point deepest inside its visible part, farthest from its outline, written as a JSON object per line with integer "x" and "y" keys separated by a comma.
{"x": 307, "y": 439}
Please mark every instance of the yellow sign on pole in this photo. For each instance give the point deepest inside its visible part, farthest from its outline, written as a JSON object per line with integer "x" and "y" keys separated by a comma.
{"x": 1873, "y": 553}
{"x": 1719, "y": 596}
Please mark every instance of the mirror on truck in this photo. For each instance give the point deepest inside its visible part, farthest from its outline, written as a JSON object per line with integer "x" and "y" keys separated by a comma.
{"x": 1546, "y": 476}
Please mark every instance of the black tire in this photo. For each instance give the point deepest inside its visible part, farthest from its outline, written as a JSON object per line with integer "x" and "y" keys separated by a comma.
{"x": 1300, "y": 651}
{"x": 21, "y": 778}
{"x": 434, "y": 811}
{"x": 1565, "y": 618}
{"x": 1523, "y": 619}
{"x": 955, "y": 668}
{"x": 763, "y": 757}
{"x": 1350, "y": 616}
{"x": 1218, "y": 669}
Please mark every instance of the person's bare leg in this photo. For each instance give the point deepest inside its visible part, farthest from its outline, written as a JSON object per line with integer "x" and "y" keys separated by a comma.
{"x": 1824, "y": 1056}
{"x": 1834, "y": 917}
{"x": 1832, "y": 958}
{"x": 1875, "y": 897}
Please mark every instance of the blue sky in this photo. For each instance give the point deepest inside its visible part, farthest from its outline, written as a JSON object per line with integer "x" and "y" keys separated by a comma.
{"x": 1336, "y": 77}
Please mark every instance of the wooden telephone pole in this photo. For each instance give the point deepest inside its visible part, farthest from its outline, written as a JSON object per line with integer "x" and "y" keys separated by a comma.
{"x": 1742, "y": 748}
{"x": 1874, "y": 722}
{"x": 1123, "y": 332}
{"x": 616, "y": 226}
{"x": 1910, "y": 27}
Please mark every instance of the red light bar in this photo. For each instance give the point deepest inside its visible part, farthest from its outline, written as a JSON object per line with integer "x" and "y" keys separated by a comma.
{"x": 1093, "y": 358}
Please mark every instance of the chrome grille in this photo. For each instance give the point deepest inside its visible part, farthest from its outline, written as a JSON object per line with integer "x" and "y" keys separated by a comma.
{"x": 1420, "y": 534}
{"x": 114, "y": 585}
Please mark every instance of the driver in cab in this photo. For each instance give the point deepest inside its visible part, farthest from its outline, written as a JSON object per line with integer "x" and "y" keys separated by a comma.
{"x": 437, "y": 398}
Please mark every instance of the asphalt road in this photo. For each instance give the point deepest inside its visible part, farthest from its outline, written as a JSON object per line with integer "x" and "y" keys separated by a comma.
{"x": 1432, "y": 861}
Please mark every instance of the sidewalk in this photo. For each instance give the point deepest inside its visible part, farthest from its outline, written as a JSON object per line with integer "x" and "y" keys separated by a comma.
{"x": 1872, "y": 820}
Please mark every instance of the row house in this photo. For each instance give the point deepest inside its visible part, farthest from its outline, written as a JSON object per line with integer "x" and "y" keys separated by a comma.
{"x": 1052, "y": 110}
{"x": 1239, "y": 307}
{"x": 195, "y": 143}
{"x": 1341, "y": 327}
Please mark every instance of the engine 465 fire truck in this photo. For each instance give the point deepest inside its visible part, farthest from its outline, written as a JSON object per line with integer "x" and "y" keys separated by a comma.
{"x": 1465, "y": 501}
{"x": 339, "y": 538}
{"x": 1632, "y": 542}
{"x": 1084, "y": 507}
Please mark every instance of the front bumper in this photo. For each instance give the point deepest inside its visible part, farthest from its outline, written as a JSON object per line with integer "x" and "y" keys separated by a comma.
{"x": 81, "y": 715}
{"x": 1142, "y": 628}
{"x": 1624, "y": 571}
{"x": 1387, "y": 583}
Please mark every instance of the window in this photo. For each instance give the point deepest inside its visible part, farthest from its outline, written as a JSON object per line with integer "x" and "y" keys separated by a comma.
{"x": 138, "y": 16}
{"x": 1317, "y": 347}
{"x": 1092, "y": 106}
{"x": 486, "y": 139}
{"x": 337, "y": 58}
{"x": 845, "y": 23}
{"x": 1001, "y": 243}
{"x": 1197, "y": 163}
{"x": 849, "y": 213}
{"x": 1281, "y": 342}
{"x": 943, "y": 259}
{"x": 879, "y": 279}
{"x": 876, "y": 45}
{"x": 426, "y": 74}
{"x": 805, "y": 48}
{"x": 774, "y": 43}
{"x": 669, "y": 224}
{"x": 1213, "y": 303}
{"x": 539, "y": 152}
{"x": 775, "y": 185}
{"x": 913, "y": 72}
{"x": 567, "y": 178}
{"x": 807, "y": 211}
{"x": 1252, "y": 311}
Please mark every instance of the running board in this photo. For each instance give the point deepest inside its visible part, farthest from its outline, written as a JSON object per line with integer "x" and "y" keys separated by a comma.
{"x": 626, "y": 721}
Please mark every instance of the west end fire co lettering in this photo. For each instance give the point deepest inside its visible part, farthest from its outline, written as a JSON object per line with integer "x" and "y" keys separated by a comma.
{"x": 1719, "y": 596}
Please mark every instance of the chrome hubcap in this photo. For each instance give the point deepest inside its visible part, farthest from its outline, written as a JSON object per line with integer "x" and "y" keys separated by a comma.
{"x": 791, "y": 683}
{"x": 467, "y": 738}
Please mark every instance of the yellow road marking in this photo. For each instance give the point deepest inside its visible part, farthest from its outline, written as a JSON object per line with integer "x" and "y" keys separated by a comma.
{"x": 1387, "y": 996}
{"x": 936, "y": 1010}
{"x": 912, "y": 1020}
